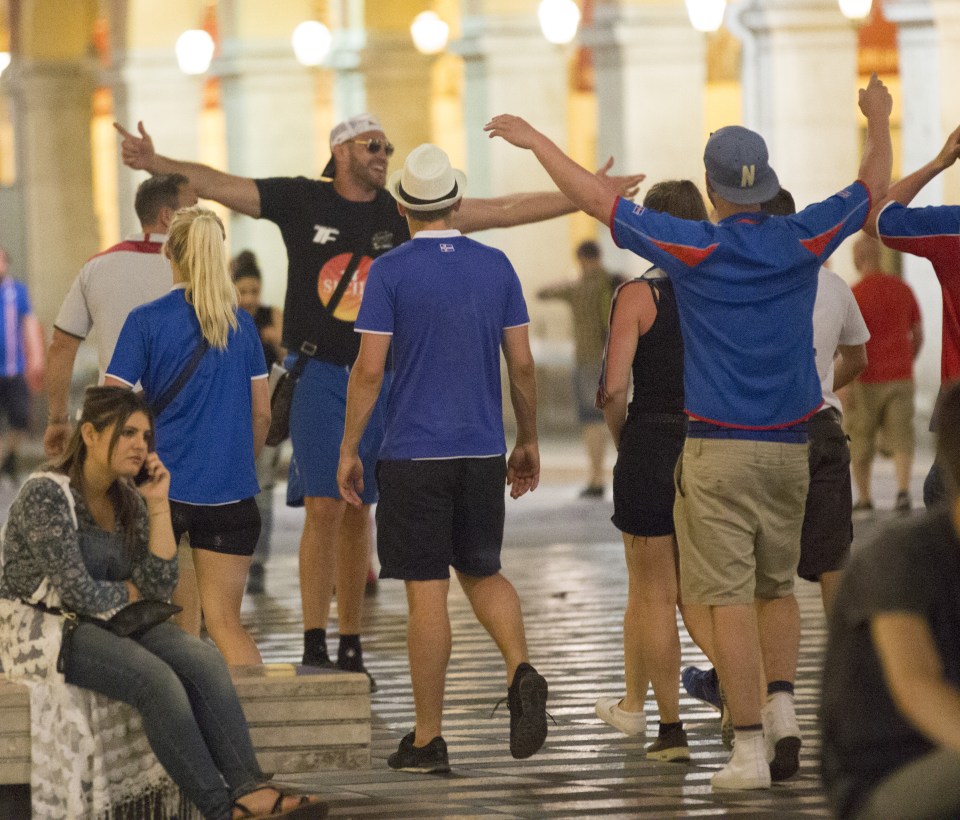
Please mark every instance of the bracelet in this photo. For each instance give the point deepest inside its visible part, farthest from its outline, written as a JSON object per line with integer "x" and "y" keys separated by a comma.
{"x": 164, "y": 511}
{"x": 58, "y": 419}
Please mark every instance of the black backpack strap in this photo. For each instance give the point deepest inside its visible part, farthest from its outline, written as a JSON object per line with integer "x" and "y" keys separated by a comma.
{"x": 171, "y": 392}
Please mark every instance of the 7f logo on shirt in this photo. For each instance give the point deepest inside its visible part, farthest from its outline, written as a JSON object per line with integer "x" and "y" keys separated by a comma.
{"x": 324, "y": 234}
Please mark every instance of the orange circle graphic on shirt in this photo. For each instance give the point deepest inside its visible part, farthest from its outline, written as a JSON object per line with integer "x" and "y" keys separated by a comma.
{"x": 329, "y": 277}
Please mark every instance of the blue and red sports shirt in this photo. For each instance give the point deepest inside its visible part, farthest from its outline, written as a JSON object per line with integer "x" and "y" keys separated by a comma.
{"x": 745, "y": 293}
{"x": 933, "y": 233}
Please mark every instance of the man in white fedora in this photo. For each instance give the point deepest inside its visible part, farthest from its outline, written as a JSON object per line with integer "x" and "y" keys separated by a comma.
{"x": 446, "y": 304}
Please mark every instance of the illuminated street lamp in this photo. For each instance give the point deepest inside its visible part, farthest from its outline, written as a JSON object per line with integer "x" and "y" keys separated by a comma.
{"x": 194, "y": 51}
{"x": 855, "y": 9}
{"x": 429, "y": 32}
{"x": 311, "y": 42}
{"x": 559, "y": 20}
{"x": 706, "y": 15}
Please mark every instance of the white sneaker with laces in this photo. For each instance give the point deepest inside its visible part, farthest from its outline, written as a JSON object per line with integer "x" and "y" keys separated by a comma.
{"x": 747, "y": 767}
{"x": 630, "y": 723}
{"x": 782, "y": 735}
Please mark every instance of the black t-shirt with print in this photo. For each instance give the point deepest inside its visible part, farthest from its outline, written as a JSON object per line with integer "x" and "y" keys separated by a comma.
{"x": 913, "y": 567}
{"x": 322, "y": 231}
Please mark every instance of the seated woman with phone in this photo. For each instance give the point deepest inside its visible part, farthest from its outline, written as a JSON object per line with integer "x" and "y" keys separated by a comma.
{"x": 81, "y": 542}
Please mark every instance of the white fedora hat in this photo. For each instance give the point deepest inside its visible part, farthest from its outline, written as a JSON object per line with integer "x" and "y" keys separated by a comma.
{"x": 427, "y": 182}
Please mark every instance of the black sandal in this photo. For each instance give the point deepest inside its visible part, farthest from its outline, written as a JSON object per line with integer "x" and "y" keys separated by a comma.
{"x": 304, "y": 810}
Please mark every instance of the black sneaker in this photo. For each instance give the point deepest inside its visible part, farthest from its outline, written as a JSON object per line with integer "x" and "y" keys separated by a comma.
{"x": 429, "y": 759}
{"x": 592, "y": 491}
{"x": 352, "y": 661}
{"x": 321, "y": 661}
{"x": 527, "y": 699}
{"x": 670, "y": 747}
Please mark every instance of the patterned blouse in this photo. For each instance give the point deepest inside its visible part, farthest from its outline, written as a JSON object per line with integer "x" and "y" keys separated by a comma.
{"x": 42, "y": 541}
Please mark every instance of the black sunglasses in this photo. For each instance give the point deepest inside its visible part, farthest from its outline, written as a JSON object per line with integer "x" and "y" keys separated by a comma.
{"x": 374, "y": 146}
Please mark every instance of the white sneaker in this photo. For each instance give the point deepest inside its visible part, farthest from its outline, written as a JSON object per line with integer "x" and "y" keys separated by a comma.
{"x": 630, "y": 723}
{"x": 747, "y": 767}
{"x": 782, "y": 735}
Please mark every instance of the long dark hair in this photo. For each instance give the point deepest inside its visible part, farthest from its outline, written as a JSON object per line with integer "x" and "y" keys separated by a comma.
{"x": 103, "y": 407}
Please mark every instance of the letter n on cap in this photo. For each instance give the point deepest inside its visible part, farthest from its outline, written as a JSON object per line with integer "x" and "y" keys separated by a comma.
{"x": 747, "y": 175}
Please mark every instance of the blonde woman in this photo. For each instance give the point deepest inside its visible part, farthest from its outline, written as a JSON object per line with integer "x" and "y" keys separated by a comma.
{"x": 210, "y": 431}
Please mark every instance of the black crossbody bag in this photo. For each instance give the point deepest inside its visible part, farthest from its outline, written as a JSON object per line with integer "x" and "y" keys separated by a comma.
{"x": 281, "y": 399}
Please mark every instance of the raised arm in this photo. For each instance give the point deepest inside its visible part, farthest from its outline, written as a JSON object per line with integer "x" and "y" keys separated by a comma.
{"x": 594, "y": 194}
{"x": 907, "y": 188}
{"x": 240, "y": 194}
{"x": 875, "y": 167}
{"x": 523, "y": 465}
{"x": 523, "y": 209}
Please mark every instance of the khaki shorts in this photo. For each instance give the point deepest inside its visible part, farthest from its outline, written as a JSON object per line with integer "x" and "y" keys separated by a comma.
{"x": 886, "y": 406}
{"x": 739, "y": 514}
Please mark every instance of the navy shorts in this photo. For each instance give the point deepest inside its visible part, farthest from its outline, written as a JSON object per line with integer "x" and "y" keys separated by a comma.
{"x": 828, "y": 518}
{"x": 438, "y": 513}
{"x": 643, "y": 488}
{"x": 231, "y": 529}
{"x": 316, "y": 430}
{"x": 15, "y": 401}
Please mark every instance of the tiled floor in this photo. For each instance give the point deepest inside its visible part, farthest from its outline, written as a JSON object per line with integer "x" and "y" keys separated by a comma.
{"x": 566, "y": 561}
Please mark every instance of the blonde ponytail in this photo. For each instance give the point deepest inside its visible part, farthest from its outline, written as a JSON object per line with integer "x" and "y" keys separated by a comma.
{"x": 196, "y": 246}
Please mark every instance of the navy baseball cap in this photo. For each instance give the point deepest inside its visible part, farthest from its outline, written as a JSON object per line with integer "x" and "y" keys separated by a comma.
{"x": 738, "y": 166}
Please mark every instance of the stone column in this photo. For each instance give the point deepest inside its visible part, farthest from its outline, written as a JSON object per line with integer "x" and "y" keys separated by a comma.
{"x": 510, "y": 68}
{"x": 650, "y": 76}
{"x": 149, "y": 86}
{"x": 946, "y": 15}
{"x": 268, "y": 102}
{"x": 52, "y": 105}
{"x": 802, "y": 97}
{"x": 922, "y": 136}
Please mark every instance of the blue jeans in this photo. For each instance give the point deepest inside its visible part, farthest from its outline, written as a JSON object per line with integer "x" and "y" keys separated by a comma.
{"x": 182, "y": 689}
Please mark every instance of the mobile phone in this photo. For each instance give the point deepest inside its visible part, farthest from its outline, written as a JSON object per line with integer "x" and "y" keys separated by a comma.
{"x": 143, "y": 476}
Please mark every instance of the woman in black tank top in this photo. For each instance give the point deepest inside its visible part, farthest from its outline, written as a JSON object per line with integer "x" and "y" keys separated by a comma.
{"x": 645, "y": 342}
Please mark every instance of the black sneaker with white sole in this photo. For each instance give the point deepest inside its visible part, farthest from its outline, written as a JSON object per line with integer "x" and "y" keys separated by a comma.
{"x": 429, "y": 759}
{"x": 527, "y": 700}
{"x": 349, "y": 660}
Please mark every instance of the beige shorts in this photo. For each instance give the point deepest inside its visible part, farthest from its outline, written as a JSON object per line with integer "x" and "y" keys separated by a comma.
{"x": 739, "y": 513}
{"x": 886, "y": 407}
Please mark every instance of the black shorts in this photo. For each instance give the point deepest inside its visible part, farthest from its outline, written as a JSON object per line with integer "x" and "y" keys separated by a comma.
{"x": 643, "y": 488}
{"x": 231, "y": 529}
{"x": 438, "y": 513}
{"x": 15, "y": 401}
{"x": 828, "y": 518}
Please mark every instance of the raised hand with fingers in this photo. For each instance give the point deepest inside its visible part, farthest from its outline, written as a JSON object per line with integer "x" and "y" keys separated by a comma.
{"x": 514, "y": 130}
{"x": 627, "y": 186}
{"x": 950, "y": 152}
{"x": 137, "y": 152}
{"x": 875, "y": 99}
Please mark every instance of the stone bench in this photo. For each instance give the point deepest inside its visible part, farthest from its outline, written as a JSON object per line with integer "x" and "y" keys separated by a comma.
{"x": 302, "y": 719}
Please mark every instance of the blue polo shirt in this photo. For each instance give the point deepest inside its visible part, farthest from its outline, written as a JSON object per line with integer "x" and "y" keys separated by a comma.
{"x": 745, "y": 293}
{"x": 446, "y": 300}
{"x": 205, "y": 435}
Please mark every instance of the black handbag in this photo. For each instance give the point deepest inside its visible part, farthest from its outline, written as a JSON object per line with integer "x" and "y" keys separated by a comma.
{"x": 133, "y": 621}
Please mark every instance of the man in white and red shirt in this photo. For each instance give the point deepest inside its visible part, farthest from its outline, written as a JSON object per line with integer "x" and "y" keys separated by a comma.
{"x": 108, "y": 287}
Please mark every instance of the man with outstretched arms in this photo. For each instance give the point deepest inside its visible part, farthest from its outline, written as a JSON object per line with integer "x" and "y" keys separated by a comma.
{"x": 745, "y": 293}
{"x": 108, "y": 287}
{"x": 933, "y": 233}
{"x": 332, "y": 232}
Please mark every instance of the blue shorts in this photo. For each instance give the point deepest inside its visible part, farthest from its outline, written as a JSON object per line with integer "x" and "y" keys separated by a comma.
{"x": 316, "y": 429}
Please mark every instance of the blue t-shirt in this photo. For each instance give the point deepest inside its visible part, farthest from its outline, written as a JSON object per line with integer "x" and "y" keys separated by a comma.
{"x": 14, "y": 305}
{"x": 446, "y": 300}
{"x": 205, "y": 435}
{"x": 745, "y": 292}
